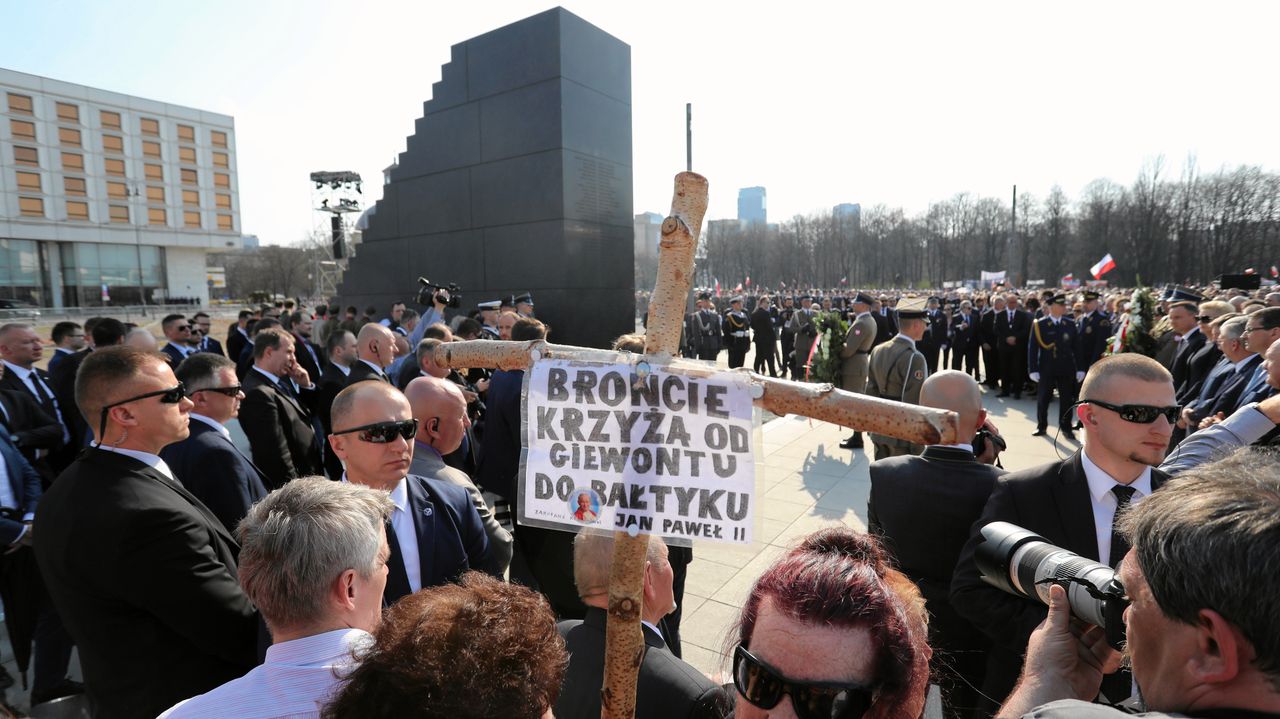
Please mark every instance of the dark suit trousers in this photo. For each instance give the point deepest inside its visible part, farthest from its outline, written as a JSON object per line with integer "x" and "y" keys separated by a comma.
{"x": 1067, "y": 388}
{"x": 1013, "y": 368}
{"x": 991, "y": 362}
{"x": 765, "y": 352}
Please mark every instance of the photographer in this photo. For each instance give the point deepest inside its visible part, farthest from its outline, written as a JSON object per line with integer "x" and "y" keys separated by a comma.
{"x": 440, "y": 298}
{"x": 1204, "y": 619}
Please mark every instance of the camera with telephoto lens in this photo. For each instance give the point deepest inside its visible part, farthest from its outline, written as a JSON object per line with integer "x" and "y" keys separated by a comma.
{"x": 985, "y": 435}
{"x": 1025, "y": 564}
{"x": 428, "y": 292}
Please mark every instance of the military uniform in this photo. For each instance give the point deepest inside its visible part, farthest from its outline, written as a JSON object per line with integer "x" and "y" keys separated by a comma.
{"x": 897, "y": 372}
{"x": 736, "y": 335}
{"x": 703, "y": 332}
{"x": 1095, "y": 333}
{"x": 856, "y": 355}
{"x": 1054, "y": 353}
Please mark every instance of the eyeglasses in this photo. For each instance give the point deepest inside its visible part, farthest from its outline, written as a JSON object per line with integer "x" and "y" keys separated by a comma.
{"x": 1138, "y": 413}
{"x": 183, "y": 328}
{"x": 1247, "y": 330}
{"x": 763, "y": 687}
{"x": 173, "y": 395}
{"x": 384, "y": 432}
{"x": 228, "y": 391}
{"x": 1204, "y": 318}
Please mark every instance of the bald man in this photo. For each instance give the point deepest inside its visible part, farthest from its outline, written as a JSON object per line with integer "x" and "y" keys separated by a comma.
{"x": 375, "y": 351}
{"x": 441, "y": 410}
{"x": 923, "y": 506}
{"x": 435, "y": 533}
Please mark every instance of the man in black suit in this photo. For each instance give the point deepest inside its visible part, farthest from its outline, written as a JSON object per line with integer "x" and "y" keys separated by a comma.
{"x": 25, "y": 424}
{"x": 68, "y": 338}
{"x": 177, "y": 330}
{"x": 276, "y": 414}
{"x": 923, "y": 507}
{"x": 1202, "y": 359}
{"x": 106, "y": 332}
{"x": 435, "y": 533}
{"x": 1013, "y": 328}
{"x": 964, "y": 340}
{"x": 1073, "y": 504}
{"x": 201, "y": 325}
{"x": 987, "y": 339}
{"x": 207, "y": 462}
{"x": 934, "y": 337}
{"x": 310, "y": 355}
{"x": 20, "y": 349}
{"x": 375, "y": 351}
{"x": 667, "y": 688}
{"x": 238, "y": 335}
{"x": 142, "y": 574}
{"x": 340, "y": 349}
{"x": 1189, "y": 339}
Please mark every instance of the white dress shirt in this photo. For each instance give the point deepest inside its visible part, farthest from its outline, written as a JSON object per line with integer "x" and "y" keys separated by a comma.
{"x": 151, "y": 460}
{"x": 1104, "y": 500}
{"x": 406, "y": 533}
{"x": 345, "y": 370}
{"x": 29, "y": 379}
{"x": 297, "y": 679}
{"x": 212, "y": 423}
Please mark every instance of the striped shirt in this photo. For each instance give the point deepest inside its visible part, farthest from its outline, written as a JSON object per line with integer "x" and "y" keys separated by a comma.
{"x": 295, "y": 681}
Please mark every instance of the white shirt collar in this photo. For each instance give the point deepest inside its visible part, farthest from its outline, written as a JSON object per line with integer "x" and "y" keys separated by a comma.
{"x": 274, "y": 379}
{"x": 345, "y": 370}
{"x": 908, "y": 339}
{"x": 966, "y": 447}
{"x": 212, "y": 423}
{"x": 655, "y": 629}
{"x": 1237, "y": 366}
{"x": 399, "y": 493}
{"x": 1100, "y": 483}
{"x": 1190, "y": 332}
{"x": 182, "y": 350}
{"x": 333, "y": 644}
{"x": 63, "y": 350}
{"x": 375, "y": 367}
{"x": 21, "y": 372}
{"x": 151, "y": 460}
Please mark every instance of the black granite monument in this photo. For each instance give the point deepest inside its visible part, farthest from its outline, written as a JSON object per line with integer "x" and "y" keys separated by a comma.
{"x": 517, "y": 178}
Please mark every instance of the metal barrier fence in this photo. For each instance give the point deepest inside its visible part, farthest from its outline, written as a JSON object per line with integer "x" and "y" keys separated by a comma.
{"x": 139, "y": 314}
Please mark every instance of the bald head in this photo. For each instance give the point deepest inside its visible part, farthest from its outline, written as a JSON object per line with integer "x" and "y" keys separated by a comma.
{"x": 956, "y": 391}
{"x": 376, "y": 344}
{"x": 360, "y": 395}
{"x": 441, "y": 411}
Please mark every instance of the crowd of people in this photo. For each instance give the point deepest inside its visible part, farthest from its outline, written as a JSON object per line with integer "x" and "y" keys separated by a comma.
{"x": 362, "y": 558}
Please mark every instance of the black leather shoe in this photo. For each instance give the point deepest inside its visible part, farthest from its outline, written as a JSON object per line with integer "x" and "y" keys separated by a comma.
{"x": 1003, "y": 394}
{"x": 64, "y": 688}
{"x": 1039, "y": 432}
{"x": 854, "y": 442}
{"x": 1017, "y": 395}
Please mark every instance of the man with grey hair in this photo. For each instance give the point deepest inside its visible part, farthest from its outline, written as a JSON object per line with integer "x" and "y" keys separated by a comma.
{"x": 1203, "y": 623}
{"x": 667, "y": 686}
{"x": 313, "y": 558}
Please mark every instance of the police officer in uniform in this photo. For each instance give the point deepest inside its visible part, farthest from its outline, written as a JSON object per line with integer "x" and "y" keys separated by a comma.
{"x": 898, "y": 370}
{"x": 788, "y": 335}
{"x": 1055, "y": 360}
{"x": 1095, "y": 331}
{"x": 735, "y": 333}
{"x": 805, "y": 332}
{"x": 855, "y": 356}
{"x": 489, "y": 319}
{"x": 702, "y": 329}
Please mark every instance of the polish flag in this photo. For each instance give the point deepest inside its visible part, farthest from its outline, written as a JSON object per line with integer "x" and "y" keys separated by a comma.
{"x": 717, "y": 287}
{"x": 1105, "y": 265}
{"x": 748, "y": 280}
{"x": 1069, "y": 277}
{"x": 738, "y": 288}
{"x": 1275, "y": 272}
{"x": 844, "y": 280}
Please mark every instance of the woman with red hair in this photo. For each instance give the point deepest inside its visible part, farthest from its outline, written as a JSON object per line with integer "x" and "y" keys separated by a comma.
{"x": 830, "y": 631}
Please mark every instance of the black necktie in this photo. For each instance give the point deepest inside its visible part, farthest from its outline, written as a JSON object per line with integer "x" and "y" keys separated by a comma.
{"x": 1119, "y": 547}
{"x": 287, "y": 387}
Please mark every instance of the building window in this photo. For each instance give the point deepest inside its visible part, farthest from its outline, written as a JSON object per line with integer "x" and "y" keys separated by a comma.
{"x": 155, "y": 194}
{"x": 120, "y": 214}
{"x": 221, "y": 159}
{"x": 73, "y": 161}
{"x": 74, "y": 186}
{"x": 151, "y": 149}
{"x": 31, "y": 206}
{"x": 150, "y": 126}
{"x": 110, "y": 120}
{"x": 113, "y": 143}
{"x": 69, "y": 137}
{"x": 224, "y": 223}
{"x": 117, "y": 190}
{"x": 153, "y": 171}
{"x": 224, "y": 202}
{"x": 68, "y": 112}
{"x": 191, "y": 219}
{"x": 22, "y": 130}
{"x": 218, "y": 138}
{"x": 186, "y": 133}
{"x": 222, "y": 180}
{"x": 191, "y": 198}
{"x": 20, "y": 104}
{"x": 26, "y": 156}
{"x": 187, "y": 155}
{"x": 189, "y": 177}
{"x": 28, "y": 182}
{"x": 77, "y": 210}
{"x": 114, "y": 168}
{"x": 155, "y": 216}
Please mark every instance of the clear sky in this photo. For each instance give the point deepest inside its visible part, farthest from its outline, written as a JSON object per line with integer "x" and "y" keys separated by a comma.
{"x": 821, "y": 102}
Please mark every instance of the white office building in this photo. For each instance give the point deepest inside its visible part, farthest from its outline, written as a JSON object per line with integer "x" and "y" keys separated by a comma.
{"x": 108, "y": 199}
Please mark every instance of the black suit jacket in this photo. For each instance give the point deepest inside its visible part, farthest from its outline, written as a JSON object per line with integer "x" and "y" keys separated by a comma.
{"x": 361, "y": 371}
{"x": 1181, "y": 368}
{"x": 923, "y": 507}
{"x": 212, "y": 346}
{"x": 30, "y": 428}
{"x": 281, "y": 438}
{"x": 1199, "y": 365}
{"x": 331, "y": 382}
{"x": 1053, "y": 501}
{"x": 175, "y": 357}
{"x": 144, "y": 578}
{"x": 305, "y": 360}
{"x": 1020, "y": 330}
{"x": 236, "y": 343}
{"x": 500, "y": 459}
{"x": 213, "y": 470}
{"x": 63, "y": 454}
{"x": 451, "y": 538}
{"x": 63, "y": 381}
{"x": 1232, "y": 388}
{"x": 667, "y": 688}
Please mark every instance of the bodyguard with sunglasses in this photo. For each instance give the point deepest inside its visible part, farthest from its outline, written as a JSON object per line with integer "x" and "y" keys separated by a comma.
{"x": 1128, "y": 412}
{"x": 141, "y": 572}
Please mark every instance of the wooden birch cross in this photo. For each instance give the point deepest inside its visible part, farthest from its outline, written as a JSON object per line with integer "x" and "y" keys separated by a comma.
{"x": 624, "y": 639}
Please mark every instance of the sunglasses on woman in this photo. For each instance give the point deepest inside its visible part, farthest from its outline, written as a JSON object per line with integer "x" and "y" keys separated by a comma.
{"x": 1137, "y": 413}
{"x": 384, "y": 432}
{"x": 173, "y": 395}
{"x": 763, "y": 686}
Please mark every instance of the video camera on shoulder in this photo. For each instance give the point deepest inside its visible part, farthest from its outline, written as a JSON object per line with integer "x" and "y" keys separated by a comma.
{"x": 429, "y": 293}
{"x": 1023, "y": 563}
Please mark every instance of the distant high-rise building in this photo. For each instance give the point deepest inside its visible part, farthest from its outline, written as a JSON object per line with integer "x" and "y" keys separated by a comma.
{"x": 849, "y": 213}
{"x": 648, "y": 232}
{"x": 752, "y": 206}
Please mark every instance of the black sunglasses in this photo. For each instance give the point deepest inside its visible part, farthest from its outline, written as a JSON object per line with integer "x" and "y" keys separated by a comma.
{"x": 1204, "y": 318}
{"x": 763, "y": 686}
{"x": 1138, "y": 413}
{"x": 228, "y": 391}
{"x": 173, "y": 395}
{"x": 384, "y": 432}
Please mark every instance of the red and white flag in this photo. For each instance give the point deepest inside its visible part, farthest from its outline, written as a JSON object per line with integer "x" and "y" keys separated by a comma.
{"x": 748, "y": 280}
{"x": 1105, "y": 265}
{"x": 717, "y": 287}
{"x": 738, "y": 288}
{"x": 1069, "y": 277}
{"x": 1275, "y": 272}
{"x": 1251, "y": 271}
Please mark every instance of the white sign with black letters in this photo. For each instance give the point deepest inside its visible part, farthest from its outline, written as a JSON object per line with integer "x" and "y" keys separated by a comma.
{"x": 621, "y": 445}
